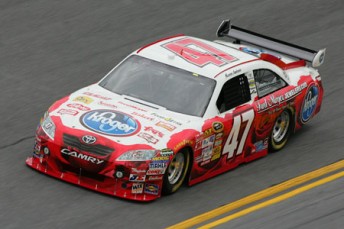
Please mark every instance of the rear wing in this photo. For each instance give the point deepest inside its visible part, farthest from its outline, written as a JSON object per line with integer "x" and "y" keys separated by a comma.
{"x": 239, "y": 34}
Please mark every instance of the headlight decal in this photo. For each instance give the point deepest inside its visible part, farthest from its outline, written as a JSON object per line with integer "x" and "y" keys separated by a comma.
{"x": 48, "y": 126}
{"x": 137, "y": 155}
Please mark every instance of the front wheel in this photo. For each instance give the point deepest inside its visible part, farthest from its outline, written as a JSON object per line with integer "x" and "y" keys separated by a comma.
{"x": 281, "y": 131}
{"x": 176, "y": 172}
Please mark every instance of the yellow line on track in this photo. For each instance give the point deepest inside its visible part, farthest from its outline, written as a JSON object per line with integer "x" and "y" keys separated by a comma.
{"x": 274, "y": 200}
{"x": 258, "y": 196}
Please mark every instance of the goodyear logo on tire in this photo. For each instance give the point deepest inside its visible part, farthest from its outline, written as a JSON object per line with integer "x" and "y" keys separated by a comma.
{"x": 309, "y": 103}
{"x": 109, "y": 122}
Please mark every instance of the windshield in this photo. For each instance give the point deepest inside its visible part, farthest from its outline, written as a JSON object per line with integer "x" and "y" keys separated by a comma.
{"x": 170, "y": 87}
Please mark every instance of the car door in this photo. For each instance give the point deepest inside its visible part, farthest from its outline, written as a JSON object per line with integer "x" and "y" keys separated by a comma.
{"x": 235, "y": 105}
{"x": 221, "y": 144}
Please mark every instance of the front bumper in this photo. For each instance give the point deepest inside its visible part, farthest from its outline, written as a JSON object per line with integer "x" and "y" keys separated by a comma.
{"x": 105, "y": 183}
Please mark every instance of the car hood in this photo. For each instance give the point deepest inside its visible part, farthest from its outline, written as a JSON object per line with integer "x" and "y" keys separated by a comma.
{"x": 121, "y": 119}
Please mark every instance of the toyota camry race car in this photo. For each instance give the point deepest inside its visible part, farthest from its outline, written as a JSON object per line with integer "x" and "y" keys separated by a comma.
{"x": 180, "y": 109}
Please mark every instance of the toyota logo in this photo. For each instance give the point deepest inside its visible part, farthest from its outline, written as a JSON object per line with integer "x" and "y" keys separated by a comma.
{"x": 89, "y": 139}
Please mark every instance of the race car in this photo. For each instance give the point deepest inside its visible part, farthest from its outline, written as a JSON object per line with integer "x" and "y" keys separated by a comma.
{"x": 181, "y": 109}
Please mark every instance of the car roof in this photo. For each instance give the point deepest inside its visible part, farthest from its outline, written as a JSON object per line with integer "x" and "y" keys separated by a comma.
{"x": 196, "y": 55}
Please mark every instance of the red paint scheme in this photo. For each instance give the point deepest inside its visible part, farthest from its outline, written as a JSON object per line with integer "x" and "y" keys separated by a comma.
{"x": 98, "y": 171}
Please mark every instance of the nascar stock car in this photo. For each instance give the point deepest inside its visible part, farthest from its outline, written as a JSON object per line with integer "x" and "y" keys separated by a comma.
{"x": 180, "y": 109}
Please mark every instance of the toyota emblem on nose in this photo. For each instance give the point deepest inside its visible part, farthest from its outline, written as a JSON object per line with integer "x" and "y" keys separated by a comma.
{"x": 89, "y": 139}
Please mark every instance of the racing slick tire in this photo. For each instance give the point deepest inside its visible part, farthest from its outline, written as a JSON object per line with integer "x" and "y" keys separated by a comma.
{"x": 176, "y": 172}
{"x": 281, "y": 131}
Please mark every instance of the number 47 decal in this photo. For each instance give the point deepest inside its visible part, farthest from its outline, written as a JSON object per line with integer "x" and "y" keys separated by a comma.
{"x": 232, "y": 143}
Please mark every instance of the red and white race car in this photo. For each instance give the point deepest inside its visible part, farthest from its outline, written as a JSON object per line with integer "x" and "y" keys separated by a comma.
{"x": 180, "y": 109}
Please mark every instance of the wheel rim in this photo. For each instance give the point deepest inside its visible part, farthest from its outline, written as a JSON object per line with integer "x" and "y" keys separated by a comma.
{"x": 281, "y": 127}
{"x": 175, "y": 169}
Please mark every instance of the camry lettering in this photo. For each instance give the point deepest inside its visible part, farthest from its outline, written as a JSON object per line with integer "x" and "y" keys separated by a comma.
{"x": 82, "y": 156}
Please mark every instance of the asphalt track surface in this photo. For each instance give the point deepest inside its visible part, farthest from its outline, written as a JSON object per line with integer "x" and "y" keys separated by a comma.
{"x": 50, "y": 48}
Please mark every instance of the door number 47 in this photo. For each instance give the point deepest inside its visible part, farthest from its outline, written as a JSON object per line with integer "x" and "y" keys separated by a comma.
{"x": 235, "y": 143}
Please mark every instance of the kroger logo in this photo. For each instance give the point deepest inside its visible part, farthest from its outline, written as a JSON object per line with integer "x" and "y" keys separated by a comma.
{"x": 109, "y": 122}
{"x": 309, "y": 103}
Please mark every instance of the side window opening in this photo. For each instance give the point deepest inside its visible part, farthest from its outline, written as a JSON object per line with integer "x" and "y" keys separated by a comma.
{"x": 267, "y": 82}
{"x": 235, "y": 92}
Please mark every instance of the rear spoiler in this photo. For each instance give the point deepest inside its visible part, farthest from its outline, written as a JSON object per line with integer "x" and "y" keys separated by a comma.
{"x": 239, "y": 34}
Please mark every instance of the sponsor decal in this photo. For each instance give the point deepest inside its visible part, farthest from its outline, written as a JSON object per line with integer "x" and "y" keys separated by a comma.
{"x": 96, "y": 95}
{"x": 88, "y": 139}
{"x": 149, "y": 138}
{"x": 154, "y": 131}
{"x": 251, "y": 50}
{"x": 101, "y": 102}
{"x": 267, "y": 103}
{"x": 166, "y": 126}
{"x": 217, "y": 127}
{"x": 252, "y": 83}
{"x": 309, "y": 103}
{"x": 83, "y": 99}
{"x": 166, "y": 152}
{"x": 295, "y": 91}
{"x": 218, "y": 136}
{"x": 81, "y": 156}
{"x": 218, "y": 142}
{"x": 162, "y": 158}
{"x": 182, "y": 143}
{"x": 132, "y": 106}
{"x": 166, "y": 119}
{"x": 155, "y": 177}
{"x": 258, "y": 52}
{"x": 261, "y": 145}
{"x": 272, "y": 100}
{"x": 68, "y": 112}
{"x": 37, "y": 147}
{"x": 143, "y": 116}
{"x": 157, "y": 171}
{"x": 207, "y": 132}
{"x": 198, "y": 145}
{"x": 110, "y": 122}
{"x": 152, "y": 189}
{"x": 216, "y": 153}
{"x": 157, "y": 165}
{"x": 208, "y": 141}
{"x": 207, "y": 152}
{"x": 137, "y": 188}
{"x": 140, "y": 171}
{"x": 137, "y": 177}
{"x": 78, "y": 106}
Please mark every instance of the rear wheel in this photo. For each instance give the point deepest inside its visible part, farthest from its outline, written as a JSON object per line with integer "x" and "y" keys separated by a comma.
{"x": 281, "y": 131}
{"x": 176, "y": 172}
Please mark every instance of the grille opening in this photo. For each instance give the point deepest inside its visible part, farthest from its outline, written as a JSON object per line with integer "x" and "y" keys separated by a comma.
{"x": 95, "y": 149}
